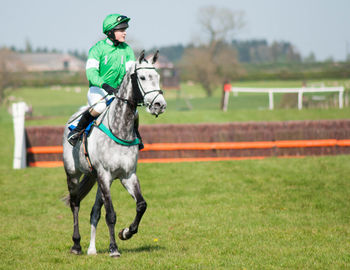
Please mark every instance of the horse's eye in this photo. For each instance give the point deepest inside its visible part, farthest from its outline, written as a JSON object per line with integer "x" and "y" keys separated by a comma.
{"x": 143, "y": 78}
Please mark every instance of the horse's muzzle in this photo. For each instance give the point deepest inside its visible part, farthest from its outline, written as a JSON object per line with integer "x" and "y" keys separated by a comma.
{"x": 157, "y": 108}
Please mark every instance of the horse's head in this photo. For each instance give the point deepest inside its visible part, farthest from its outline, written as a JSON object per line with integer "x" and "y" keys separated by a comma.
{"x": 146, "y": 87}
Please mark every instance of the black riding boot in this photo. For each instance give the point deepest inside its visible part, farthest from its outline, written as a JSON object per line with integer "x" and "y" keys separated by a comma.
{"x": 84, "y": 121}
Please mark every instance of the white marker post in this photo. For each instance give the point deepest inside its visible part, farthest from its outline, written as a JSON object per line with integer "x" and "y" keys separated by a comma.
{"x": 20, "y": 158}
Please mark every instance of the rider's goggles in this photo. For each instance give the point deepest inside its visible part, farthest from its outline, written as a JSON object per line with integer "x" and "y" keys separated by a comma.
{"x": 121, "y": 18}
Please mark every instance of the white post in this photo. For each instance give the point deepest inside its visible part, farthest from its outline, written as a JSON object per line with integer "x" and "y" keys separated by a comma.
{"x": 226, "y": 97}
{"x": 18, "y": 112}
{"x": 341, "y": 98}
{"x": 270, "y": 100}
{"x": 300, "y": 99}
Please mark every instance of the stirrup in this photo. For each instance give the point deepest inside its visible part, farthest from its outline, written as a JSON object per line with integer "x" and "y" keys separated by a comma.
{"x": 74, "y": 136}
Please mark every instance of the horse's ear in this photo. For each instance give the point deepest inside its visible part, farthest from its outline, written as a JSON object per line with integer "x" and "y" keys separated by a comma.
{"x": 155, "y": 57}
{"x": 142, "y": 56}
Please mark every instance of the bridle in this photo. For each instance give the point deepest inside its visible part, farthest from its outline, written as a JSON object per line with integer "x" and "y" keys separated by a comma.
{"x": 139, "y": 93}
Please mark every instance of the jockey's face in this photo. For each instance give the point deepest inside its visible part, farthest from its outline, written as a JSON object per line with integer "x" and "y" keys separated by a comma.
{"x": 120, "y": 34}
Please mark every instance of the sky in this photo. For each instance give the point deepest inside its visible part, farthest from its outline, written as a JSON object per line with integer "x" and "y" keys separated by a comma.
{"x": 318, "y": 26}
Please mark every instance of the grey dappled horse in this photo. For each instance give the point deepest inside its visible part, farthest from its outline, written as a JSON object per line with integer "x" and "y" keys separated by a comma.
{"x": 111, "y": 160}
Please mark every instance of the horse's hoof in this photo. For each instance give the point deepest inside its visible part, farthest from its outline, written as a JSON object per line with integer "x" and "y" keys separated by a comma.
{"x": 120, "y": 235}
{"x": 113, "y": 250}
{"x": 124, "y": 234}
{"x": 75, "y": 251}
{"x": 92, "y": 251}
{"x": 114, "y": 254}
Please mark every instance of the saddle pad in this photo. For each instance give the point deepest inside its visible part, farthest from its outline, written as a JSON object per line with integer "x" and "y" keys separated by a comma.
{"x": 87, "y": 130}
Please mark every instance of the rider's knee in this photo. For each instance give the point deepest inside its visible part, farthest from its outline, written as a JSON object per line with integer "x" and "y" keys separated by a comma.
{"x": 99, "y": 108}
{"x": 94, "y": 113}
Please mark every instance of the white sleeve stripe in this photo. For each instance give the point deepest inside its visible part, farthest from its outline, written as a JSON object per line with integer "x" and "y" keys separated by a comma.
{"x": 92, "y": 63}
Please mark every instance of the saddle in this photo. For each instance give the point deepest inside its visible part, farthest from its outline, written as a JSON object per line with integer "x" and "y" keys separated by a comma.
{"x": 86, "y": 131}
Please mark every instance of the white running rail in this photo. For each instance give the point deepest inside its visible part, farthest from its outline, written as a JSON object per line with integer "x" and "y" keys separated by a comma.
{"x": 299, "y": 91}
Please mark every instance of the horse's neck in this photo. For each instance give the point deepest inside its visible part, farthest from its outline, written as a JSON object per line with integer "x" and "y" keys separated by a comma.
{"x": 121, "y": 115}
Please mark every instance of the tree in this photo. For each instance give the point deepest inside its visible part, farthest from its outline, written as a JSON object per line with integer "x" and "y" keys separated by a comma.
{"x": 211, "y": 66}
{"x": 29, "y": 47}
{"x": 214, "y": 60}
{"x": 173, "y": 52}
{"x": 311, "y": 58}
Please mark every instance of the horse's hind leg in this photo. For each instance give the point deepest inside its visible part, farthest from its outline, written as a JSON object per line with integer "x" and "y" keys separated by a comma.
{"x": 133, "y": 187}
{"x": 94, "y": 219}
{"x": 74, "y": 202}
{"x": 111, "y": 217}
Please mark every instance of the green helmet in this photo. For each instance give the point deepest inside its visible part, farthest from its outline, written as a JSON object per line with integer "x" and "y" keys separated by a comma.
{"x": 114, "y": 20}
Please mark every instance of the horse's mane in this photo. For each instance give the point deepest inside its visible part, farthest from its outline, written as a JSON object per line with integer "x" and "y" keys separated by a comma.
{"x": 126, "y": 76}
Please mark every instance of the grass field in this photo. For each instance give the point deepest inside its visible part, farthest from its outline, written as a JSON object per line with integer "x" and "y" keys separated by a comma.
{"x": 257, "y": 214}
{"x": 53, "y": 106}
{"x": 266, "y": 214}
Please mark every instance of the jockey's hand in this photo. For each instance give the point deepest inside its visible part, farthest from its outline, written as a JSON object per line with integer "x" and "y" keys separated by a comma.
{"x": 109, "y": 89}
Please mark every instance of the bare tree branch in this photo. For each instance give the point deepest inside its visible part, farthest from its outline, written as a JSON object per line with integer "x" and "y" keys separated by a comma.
{"x": 220, "y": 24}
{"x": 214, "y": 61}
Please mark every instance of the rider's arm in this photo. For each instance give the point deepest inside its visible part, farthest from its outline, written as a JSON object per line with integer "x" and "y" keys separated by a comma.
{"x": 93, "y": 67}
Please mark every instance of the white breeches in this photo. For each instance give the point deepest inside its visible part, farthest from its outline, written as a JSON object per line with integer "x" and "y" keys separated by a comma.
{"x": 96, "y": 94}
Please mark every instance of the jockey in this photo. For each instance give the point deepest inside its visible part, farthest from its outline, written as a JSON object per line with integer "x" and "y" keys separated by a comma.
{"x": 107, "y": 63}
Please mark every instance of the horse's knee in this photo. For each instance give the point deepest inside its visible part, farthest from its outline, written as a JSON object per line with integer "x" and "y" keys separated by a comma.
{"x": 111, "y": 218}
{"x": 74, "y": 204}
{"x": 141, "y": 207}
{"x": 72, "y": 183}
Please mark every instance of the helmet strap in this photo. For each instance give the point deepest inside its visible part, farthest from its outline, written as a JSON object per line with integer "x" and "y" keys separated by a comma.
{"x": 111, "y": 36}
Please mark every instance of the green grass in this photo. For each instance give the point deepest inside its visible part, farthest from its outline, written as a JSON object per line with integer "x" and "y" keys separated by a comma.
{"x": 263, "y": 214}
{"x": 53, "y": 106}
{"x": 51, "y": 101}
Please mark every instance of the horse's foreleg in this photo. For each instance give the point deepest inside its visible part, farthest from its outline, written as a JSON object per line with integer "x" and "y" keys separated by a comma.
{"x": 74, "y": 203}
{"x": 111, "y": 217}
{"x": 133, "y": 187}
{"x": 94, "y": 219}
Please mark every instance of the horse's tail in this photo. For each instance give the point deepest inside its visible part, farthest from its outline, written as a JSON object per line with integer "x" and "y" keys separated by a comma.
{"x": 84, "y": 187}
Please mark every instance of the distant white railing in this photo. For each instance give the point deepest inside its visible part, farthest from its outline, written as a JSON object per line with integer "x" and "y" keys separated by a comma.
{"x": 299, "y": 91}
